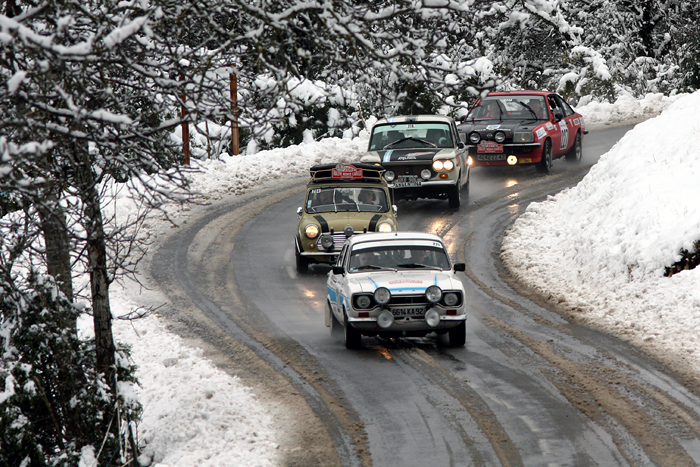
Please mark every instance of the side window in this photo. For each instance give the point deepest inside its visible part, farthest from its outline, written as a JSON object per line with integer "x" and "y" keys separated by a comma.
{"x": 566, "y": 109}
{"x": 341, "y": 256}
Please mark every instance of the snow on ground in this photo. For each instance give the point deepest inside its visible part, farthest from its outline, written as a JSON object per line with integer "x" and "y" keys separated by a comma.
{"x": 616, "y": 231}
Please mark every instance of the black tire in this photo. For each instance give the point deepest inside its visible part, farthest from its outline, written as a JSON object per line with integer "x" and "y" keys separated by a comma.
{"x": 454, "y": 195}
{"x": 336, "y": 327}
{"x": 353, "y": 338}
{"x": 302, "y": 263}
{"x": 545, "y": 165}
{"x": 457, "y": 336}
{"x": 574, "y": 156}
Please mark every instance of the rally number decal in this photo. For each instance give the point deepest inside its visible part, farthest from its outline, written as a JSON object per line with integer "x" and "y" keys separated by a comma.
{"x": 564, "y": 134}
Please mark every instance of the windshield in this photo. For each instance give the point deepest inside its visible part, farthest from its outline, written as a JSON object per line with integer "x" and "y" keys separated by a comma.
{"x": 399, "y": 257}
{"x": 345, "y": 199}
{"x": 503, "y": 108}
{"x": 411, "y": 135}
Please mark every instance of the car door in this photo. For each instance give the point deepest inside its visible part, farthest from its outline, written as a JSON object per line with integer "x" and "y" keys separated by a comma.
{"x": 334, "y": 284}
{"x": 569, "y": 124}
{"x": 461, "y": 153}
{"x": 560, "y": 135}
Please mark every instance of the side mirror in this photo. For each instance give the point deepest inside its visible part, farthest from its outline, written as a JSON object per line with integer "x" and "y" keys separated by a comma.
{"x": 299, "y": 211}
{"x": 460, "y": 267}
{"x": 338, "y": 270}
{"x": 460, "y": 145}
{"x": 395, "y": 209}
{"x": 558, "y": 116}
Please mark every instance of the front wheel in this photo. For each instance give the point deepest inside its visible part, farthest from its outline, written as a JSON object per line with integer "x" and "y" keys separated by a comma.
{"x": 455, "y": 196}
{"x": 574, "y": 156}
{"x": 336, "y": 327}
{"x": 302, "y": 264}
{"x": 458, "y": 335}
{"x": 545, "y": 165}
{"x": 353, "y": 338}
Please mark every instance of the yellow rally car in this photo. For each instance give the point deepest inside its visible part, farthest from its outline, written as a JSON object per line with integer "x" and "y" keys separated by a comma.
{"x": 341, "y": 200}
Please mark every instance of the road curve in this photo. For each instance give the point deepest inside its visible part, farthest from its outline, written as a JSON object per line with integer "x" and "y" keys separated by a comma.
{"x": 529, "y": 388}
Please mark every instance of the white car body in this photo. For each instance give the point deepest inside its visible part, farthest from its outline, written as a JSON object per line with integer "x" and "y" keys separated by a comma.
{"x": 409, "y": 312}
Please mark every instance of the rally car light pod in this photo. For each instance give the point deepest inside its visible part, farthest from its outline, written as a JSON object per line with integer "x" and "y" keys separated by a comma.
{"x": 386, "y": 318}
{"x": 311, "y": 230}
{"x": 385, "y": 227}
{"x": 327, "y": 242}
{"x": 512, "y": 160}
{"x": 499, "y": 136}
{"x": 432, "y": 318}
{"x": 382, "y": 295}
{"x": 524, "y": 137}
{"x": 474, "y": 137}
{"x": 433, "y": 294}
{"x": 389, "y": 176}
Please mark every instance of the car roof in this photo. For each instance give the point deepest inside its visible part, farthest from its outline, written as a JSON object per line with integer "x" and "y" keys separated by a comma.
{"x": 414, "y": 118}
{"x": 519, "y": 92}
{"x": 399, "y": 236}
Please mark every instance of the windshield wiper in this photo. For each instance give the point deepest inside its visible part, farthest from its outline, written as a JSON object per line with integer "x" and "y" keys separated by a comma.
{"x": 411, "y": 138}
{"x": 416, "y": 266}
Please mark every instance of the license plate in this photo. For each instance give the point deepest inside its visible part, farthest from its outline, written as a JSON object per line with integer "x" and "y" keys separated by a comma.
{"x": 405, "y": 181}
{"x": 489, "y": 147}
{"x": 409, "y": 311}
{"x": 491, "y": 157}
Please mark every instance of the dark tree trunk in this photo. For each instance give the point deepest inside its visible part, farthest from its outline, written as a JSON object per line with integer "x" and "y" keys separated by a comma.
{"x": 97, "y": 265}
{"x": 53, "y": 226}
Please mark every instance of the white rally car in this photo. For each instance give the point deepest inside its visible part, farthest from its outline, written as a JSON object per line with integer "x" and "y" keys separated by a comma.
{"x": 399, "y": 284}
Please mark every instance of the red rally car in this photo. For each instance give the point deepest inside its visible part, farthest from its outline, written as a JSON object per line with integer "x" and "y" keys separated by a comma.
{"x": 522, "y": 127}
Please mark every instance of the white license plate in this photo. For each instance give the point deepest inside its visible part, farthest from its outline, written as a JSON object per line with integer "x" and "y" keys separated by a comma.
{"x": 404, "y": 181}
{"x": 409, "y": 311}
{"x": 491, "y": 157}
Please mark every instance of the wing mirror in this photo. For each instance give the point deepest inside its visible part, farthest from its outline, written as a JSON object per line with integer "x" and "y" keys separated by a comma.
{"x": 338, "y": 270}
{"x": 461, "y": 267}
{"x": 299, "y": 211}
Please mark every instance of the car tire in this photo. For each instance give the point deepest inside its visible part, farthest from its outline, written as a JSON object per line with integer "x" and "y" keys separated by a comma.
{"x": 574, "y": 156}
{"x": 302, "y": 263}
{"x": 454, "y": 195}
{"x": 353, "y": 338}
{"x": 336, "y": 327}
{"x": 457, "y": 336}
{"x": 545, "y": 165}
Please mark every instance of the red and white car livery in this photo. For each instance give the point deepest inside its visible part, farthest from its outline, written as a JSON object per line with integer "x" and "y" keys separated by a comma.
{"x": 522, "y": 127}
{"x": 399, "y": 284}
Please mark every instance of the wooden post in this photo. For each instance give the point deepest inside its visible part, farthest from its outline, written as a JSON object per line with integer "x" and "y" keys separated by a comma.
{"x": 185, "y": 129}
{"x": 235, "y": 148}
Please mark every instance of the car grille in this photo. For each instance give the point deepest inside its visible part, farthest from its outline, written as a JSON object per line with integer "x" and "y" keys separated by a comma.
{"x": 406, "y": 169}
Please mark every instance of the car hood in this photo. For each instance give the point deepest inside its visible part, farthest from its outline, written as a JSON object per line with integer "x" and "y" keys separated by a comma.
{"x": 505, "y": 125}
{"x": 338, "y": 221}
{"x": 408, "y": 155}
{"x": 405, "y": 282}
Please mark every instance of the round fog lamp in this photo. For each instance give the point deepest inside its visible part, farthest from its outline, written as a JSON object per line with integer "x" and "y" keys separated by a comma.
{"x": 386, "y": 319}
{"x": 326, "y": 242}
{"x": 499, "y": 137}
{"x": 433, "y": 294}
{"x": 474, "y": 137}
{"x": 432, "y": 318}
{"x": 389, "y": 176}
{"x": 425, "y": 174}
{"x": 382, "y": 295}
{"x": 512, "y": 160}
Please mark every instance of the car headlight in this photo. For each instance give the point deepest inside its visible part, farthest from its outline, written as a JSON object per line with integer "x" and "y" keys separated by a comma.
{"x": 389, "y": 176}
{"x": 437, "y": 166}
{"x": 385, "y": 227}
{"x": 448, "y": 165}
{"x": 499, "y": 137}
{"x": 470, "y": 161}
{"x": 382, "y": 295}
{"x": 524, "y": 137}
{"x": 433, "y": 294}
{"x": 451, "y": 299}
{"x": 326, "y": 242}
{"x": 363, "y": 301}
{"x": 311, "y": 230}
{"x": 425, "y": 174}
{"x": 474, "y": 137}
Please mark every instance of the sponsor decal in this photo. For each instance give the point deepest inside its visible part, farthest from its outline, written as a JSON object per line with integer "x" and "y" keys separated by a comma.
{"x": 549, "y": 126}
{"x": 489, "y": 147}
{"x": 387, "y": 156}
{"x": 541, "y": 132}
{"x": 576, "y": 121}
{"x": 346, "y": 171}
{"x": 410, "y": 157}
{"x": 406, "y": 281}
{"x": 493, "y": 127}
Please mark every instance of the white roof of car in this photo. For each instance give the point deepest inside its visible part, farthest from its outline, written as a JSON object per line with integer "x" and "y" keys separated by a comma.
{"x": 414, "y": 118}
{"x": 393, "y": 236}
